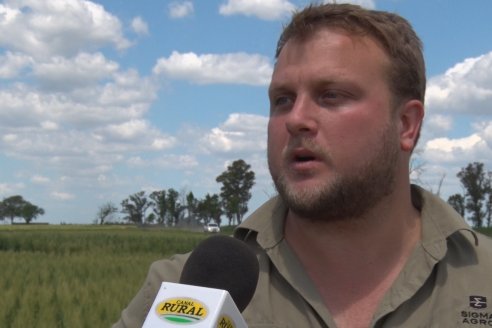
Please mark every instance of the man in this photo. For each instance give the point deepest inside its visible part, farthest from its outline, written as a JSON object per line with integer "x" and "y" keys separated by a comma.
{"x": 349, "y": 242}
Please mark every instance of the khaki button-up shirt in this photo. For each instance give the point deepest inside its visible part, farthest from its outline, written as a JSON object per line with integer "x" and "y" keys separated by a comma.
{"x": 446, "y": 282}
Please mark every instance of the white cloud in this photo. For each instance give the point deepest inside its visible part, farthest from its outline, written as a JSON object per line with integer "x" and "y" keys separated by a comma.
{"x": 59, "y": 73}
{"x": 139, "y": 26}
{"x": 160, "y": 143}
{"x": 63, "y": 196}
{"x": 464, "y": 88}
{"x": 263, "y": 9}
{"x": 485, "y": 131}
{"x": 124, "y": 97}
{"x": 436, "y": 125}
{"x": 444, "y": 157}
{"x": 138, "y": 130}
{"x": 84, "y": 153}
{"x": 10, "y": 137}
{"x": 128, "y": 130}
{"x": 9, "y": 189}
{"x": 440, "y": 122}
{"x": 170, "y": 161}
{"x": 64, "y": 27}
{"x": 234, "y": 68}
{"x": 369, "y": 4}
{"x": 12, "y": 63}
{"x": 180, "y": 9}
{"x": 39, "y": 179}
{"x": 441, "y": 150}
{"x": 239, "y": 133}
{"x": 49, "y": 125}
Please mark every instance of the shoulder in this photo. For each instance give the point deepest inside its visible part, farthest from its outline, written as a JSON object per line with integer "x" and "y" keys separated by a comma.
{"x": 168, "y": 270}
{"x": 470, "y": 250}
{"x": 484, "y": 245}
{"x": 265, "y": 225}
{"x": 269, "y": 214}
{"x": 162, "y": 270}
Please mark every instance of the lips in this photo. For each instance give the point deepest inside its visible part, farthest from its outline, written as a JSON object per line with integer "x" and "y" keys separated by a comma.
{"x": 303, "y": 161}
{"x": 303, "y": 155}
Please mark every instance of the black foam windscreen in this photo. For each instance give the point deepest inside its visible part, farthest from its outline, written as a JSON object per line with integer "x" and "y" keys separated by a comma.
{"x": 226, "y": 263}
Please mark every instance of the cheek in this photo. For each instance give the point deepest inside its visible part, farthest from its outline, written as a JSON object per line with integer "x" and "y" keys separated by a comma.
{"x": 274, "y": 132}
{"x": 275, "y": 141}
{"x": 350, "y": 138}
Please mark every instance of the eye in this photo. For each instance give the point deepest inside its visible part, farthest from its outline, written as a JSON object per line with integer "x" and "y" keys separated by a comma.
{"x": 333, "y": 97}
{"x": 281, "y": 103}
{"x": 331, "y": 94}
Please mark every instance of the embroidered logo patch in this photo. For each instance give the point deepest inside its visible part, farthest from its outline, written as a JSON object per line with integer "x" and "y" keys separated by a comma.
{"x": 478, "y": 302}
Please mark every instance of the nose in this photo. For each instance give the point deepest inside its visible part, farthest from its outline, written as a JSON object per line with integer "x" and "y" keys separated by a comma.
{"x": 302, "y": 118}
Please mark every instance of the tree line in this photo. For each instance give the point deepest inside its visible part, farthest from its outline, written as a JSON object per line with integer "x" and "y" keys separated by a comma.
{"x": 17, "y": 207}
{"x": 172, "y": 208}
{"x": 476, "y": 198}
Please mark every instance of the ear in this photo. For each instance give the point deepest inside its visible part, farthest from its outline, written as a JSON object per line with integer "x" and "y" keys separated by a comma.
{"x": 411, "y": 117}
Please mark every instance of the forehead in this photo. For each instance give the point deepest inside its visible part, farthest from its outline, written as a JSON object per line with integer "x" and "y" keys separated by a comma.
{"x": 332, "y": 52}
{"x": 334, "y": 37}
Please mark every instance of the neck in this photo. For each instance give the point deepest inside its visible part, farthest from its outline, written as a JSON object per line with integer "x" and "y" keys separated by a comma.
{"x": 393, "y": 221}
{"x": 334, "y": 254}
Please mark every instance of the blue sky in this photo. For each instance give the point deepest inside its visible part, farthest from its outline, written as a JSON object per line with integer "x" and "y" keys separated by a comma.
{"x": 102, "y": 99}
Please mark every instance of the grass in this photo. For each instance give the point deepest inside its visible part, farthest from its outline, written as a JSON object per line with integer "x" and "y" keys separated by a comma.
{"x": 78, "y": 276}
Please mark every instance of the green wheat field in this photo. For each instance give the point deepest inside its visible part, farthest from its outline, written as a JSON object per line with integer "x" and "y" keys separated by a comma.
{"x": 78, "y": 276}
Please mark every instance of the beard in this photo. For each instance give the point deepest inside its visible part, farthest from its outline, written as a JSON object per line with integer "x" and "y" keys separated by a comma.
{"x": 346, "y": 196}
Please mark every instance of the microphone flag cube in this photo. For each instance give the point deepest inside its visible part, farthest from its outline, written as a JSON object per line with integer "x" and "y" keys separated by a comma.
{"x": 180, "y": 305}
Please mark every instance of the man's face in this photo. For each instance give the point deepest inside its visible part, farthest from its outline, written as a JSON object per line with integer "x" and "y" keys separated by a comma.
{"x": 332, "y": 139}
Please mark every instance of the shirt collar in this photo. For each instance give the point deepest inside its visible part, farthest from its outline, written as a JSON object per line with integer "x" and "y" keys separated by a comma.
{"x": 266, "y": 223}
{"x": 439, "y": 221}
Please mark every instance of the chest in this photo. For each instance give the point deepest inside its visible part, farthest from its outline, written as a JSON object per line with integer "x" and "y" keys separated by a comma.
{"x": 353, "y": 303}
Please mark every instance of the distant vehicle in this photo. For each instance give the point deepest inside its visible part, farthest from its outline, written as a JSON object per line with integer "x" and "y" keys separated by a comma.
{"x": 211, "y": 227}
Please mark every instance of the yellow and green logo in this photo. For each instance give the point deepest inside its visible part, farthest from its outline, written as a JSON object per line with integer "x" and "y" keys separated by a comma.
{"x": 225, "y": 322}
{"x": 181, "y": 310}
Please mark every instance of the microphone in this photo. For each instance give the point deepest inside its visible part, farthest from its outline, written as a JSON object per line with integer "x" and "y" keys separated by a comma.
{"x": 223, "y": 262}
{"x": 217, "y": 283}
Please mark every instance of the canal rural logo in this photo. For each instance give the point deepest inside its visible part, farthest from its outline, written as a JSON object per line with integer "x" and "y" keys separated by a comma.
{"x": 225, "y": 322}
{"x": 181, "y": 310}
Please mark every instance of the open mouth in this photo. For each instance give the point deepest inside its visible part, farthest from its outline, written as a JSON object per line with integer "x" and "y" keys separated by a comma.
{"x": 304, "y": 158}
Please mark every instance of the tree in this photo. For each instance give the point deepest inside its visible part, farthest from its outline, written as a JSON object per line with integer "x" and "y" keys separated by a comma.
{"x": 30, "y": 212}
{"x": 458, "y": 203}
{"x": 209, "y": 209}
{"x": 159, "y": 205}
{"x": 488, "y": 203}
{"x": 105, "y": 212}
{"x": 3, "y": 215}
{"x": 191, "y": 206}
{"x": 191, "y": 202}
{"x": 135, "y": 207}
{"x": 477, "y": 185}
{"x": 12, "y": 207}
{"x": 237, "y": 182}
{"x": 174, "y": 207}
{"x": 17, "y": 207}
{"x": 150, "y": 218}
